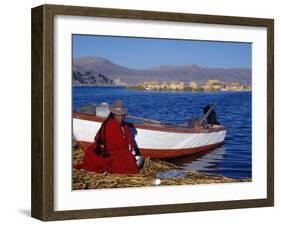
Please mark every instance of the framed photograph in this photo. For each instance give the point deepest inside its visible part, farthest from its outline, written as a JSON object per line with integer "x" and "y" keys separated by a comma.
{"x": 142, "y": 112}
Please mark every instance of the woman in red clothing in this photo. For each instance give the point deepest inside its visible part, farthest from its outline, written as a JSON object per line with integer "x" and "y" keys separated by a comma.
{"x": 113, "y": 149}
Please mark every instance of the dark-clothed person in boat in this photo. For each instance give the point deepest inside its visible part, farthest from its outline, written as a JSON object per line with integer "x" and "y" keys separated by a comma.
{"x": 113, "y": 149}
{"x": 212, "y": 118}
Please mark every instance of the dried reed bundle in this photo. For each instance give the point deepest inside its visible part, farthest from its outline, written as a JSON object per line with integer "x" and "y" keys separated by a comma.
{"x": 146, "y": 177}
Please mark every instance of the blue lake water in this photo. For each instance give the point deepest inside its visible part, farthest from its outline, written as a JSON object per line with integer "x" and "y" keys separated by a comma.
{"x": 233, "y": 159}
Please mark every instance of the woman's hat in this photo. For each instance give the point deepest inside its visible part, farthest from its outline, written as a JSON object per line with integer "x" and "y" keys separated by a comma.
{"x": 118, "y": 108}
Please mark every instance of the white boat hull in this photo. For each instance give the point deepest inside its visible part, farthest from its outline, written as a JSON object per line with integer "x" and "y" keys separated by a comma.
{"x": 155, "y": 141}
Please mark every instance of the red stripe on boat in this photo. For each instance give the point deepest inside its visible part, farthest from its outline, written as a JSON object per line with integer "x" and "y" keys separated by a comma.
{"x": 164, "y": 153}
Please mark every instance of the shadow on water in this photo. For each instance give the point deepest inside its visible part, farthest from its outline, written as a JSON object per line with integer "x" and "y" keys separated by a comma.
{"x": 203, "y": 161}
{"x": 216, "y": 161}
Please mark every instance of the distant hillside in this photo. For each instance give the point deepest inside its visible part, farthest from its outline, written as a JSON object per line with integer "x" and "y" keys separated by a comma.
{"x": 121, "y": 75}
{"x": 90, "y": 78}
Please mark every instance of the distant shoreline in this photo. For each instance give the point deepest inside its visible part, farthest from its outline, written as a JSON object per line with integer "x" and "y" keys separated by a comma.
{"x": 193, "y": 91}
{"x": 163, "y": 90}
{"x": 91, "y": 85}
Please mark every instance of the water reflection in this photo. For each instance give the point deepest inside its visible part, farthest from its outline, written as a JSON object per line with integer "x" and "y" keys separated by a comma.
{"x": 203, "y": 161}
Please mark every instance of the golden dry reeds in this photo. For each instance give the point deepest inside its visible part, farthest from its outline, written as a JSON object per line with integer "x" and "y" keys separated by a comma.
{"x": 146, "y": 176}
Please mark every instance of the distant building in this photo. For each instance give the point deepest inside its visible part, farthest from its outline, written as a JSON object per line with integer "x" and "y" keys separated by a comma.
{"x": 210, "y": 85}
{"x": 215, "y": 84}
{"x": 193, "y": 85}
{"x": 234, "y": 86}
{"x": 180, "y": 85}
{"x": 162, "y": 86}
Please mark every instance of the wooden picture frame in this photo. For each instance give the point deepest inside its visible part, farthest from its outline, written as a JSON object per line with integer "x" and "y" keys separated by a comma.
{"x": 43, "y": 111}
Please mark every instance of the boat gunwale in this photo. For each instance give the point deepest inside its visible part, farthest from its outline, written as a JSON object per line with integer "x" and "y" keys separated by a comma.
{"x": 165, "y": 153}
{"x": 155, "y": 127}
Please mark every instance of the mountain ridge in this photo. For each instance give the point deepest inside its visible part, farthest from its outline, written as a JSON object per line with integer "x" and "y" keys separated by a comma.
{"x": 186, "y": 73}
